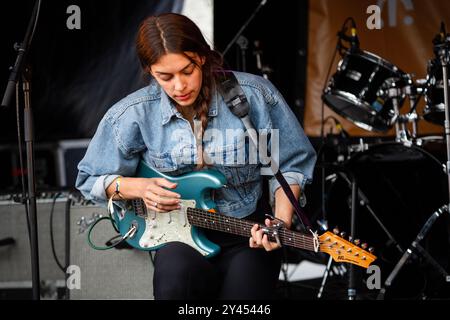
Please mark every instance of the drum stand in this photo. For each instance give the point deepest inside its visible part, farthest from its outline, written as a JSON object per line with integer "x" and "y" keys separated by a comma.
{"x": 416, "y": 246}
{"x": 412, "y": 117}
{"x": 357, "y": 195}
{"x": 401, "y": 135}
{"x": 443, "y": 52}
{"x": 400, "y": 121}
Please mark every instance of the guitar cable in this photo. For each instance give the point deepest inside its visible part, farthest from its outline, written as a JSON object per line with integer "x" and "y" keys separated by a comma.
{"x": 130, "y": 233}
{"x": 52, "y": 239}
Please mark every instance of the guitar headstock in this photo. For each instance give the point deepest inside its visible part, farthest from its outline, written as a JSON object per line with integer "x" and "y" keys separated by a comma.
{"x": 345, "y": 251}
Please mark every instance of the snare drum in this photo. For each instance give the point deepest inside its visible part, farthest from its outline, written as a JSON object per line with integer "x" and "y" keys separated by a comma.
{"x": 358, "y": 90}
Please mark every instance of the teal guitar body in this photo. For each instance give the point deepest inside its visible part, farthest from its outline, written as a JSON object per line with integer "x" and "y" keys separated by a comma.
{"x": 153, "y": 230}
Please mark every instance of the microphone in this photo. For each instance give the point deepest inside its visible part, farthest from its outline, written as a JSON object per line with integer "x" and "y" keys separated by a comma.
{"x": 442, "y": 32}
{"x": 441, "y": 42}
{"x": 351, "y": 39}
{"x": 354, "y": 40}
{"x": 440, "y": 37}
{"x": 337, "y": 143}
{"x": 342, "y": 132}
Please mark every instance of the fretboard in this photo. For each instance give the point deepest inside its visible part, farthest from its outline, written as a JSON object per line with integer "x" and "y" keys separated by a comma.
{"x": 220, "y": 222}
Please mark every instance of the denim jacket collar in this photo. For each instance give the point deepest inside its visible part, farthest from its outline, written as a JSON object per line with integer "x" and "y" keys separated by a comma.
{"x": 168, "y": 109}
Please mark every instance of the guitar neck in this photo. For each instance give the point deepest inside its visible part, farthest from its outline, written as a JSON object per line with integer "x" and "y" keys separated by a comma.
{"x": 241, "y": 227}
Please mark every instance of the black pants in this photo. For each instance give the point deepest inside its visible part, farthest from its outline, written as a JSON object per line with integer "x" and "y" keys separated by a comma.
{"x": 237, "y": 272}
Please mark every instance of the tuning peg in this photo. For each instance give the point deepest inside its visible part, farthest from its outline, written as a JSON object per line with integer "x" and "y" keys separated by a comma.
{"x": 371, "y": 249}
{"x": 357, "y": 242}
{"x": 364, "y": 246}
{"x": 343, "y": 234}
{"x": 350, "y": 239}
{"x": 336, "y": 230}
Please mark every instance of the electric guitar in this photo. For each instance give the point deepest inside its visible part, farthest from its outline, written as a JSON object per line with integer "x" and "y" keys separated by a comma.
{"x": 148, "y": 230}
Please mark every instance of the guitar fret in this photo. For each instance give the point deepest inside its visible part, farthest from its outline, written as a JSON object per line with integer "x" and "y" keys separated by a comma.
{"x": 237, "y": 226}
{"x": 300, "y": 243}
{"x": 215, "y": 224}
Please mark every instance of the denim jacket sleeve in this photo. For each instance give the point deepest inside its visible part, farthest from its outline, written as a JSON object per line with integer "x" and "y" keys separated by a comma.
{"x": 106, "y": 158}
{"x": 296, "y": 156}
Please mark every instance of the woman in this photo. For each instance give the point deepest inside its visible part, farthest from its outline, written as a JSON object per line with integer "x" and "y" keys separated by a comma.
{"x": 166, "y": 124}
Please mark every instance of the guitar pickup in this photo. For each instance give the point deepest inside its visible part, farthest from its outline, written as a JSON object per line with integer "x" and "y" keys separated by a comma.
{"x": 139, "y": 208}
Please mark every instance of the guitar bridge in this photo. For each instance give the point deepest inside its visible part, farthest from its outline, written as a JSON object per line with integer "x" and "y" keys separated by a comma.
{"x": 139, "y": 207}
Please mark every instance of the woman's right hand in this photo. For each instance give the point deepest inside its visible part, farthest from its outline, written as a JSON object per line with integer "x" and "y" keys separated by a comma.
{"x": 156, "y": 197}
{"x": 151, "y": 190}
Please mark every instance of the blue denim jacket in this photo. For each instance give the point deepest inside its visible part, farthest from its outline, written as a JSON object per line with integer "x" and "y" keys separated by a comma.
{"x": 146, "y": 125}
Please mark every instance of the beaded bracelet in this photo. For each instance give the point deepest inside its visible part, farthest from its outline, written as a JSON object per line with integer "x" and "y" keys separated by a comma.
{"x": 117, "y": 191}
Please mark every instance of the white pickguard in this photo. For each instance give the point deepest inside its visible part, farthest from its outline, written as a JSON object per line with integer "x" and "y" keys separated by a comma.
{"x": 170, "y": 226}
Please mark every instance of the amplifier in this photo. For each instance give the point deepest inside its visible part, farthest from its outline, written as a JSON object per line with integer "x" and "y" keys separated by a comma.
{"x": 15, "y": 263}
{"x": 109, "y": 274}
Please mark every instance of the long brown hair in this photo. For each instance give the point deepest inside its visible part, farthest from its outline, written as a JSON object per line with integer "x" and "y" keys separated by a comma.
{"x": 175, "y": 33}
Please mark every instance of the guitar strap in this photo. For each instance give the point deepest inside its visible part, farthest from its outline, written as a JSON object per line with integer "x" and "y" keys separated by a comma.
{"x": 236, "y": 100}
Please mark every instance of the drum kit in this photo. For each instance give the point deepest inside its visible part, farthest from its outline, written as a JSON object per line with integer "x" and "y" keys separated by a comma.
{"x": 401, "y": 184}
{"x": 370, "y": 92}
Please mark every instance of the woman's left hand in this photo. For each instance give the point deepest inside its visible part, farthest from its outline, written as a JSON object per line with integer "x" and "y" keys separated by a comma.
{"x": 260, "y": 240}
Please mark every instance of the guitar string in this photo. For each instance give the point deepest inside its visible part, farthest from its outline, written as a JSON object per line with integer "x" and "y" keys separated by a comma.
{"x": 223, "y": 223}
{"x": 305, "y": 241}
{"x": 287, "y": 239}
{"x": 293, "y": 242}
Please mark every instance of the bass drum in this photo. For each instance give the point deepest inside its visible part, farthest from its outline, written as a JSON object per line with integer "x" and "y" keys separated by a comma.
{"x": 404, "y": 186}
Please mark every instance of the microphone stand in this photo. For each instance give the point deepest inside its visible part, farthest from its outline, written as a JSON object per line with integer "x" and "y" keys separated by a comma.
{"x": 263, "y": 2}
{"x": 17, "y": 71}
{"x": 242, "y": 42}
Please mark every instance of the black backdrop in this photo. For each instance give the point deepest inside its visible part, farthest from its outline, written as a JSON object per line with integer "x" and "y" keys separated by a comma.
{"x": 76, "y": 74}
{"x": 281, "y": 28}
{"x": 79, "y": 74}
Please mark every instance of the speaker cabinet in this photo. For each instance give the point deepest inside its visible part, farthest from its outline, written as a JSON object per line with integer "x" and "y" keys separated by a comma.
{"x": 15, "y": 259}
{"x": 108, "y": 274}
